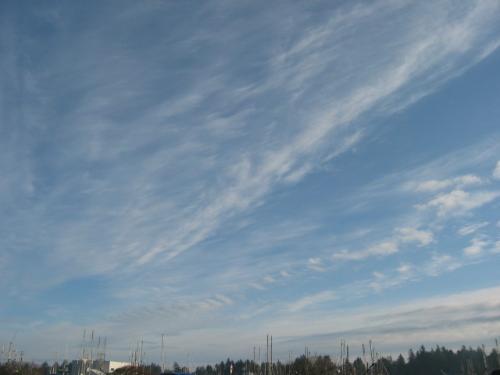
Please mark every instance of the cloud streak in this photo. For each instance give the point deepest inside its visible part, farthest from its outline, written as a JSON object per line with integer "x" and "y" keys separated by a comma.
{"x": 459, "y": 202}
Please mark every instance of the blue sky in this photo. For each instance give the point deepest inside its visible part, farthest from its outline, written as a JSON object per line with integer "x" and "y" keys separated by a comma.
{"x": 222, "y": 170}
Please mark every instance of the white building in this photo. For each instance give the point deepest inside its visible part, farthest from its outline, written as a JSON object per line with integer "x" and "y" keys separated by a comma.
{"x": 83, "y": 367}
{"x": 109, "y": 367}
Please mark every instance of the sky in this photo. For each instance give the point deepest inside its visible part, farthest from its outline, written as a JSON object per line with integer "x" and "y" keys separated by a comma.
{"x": 217, "y": 171}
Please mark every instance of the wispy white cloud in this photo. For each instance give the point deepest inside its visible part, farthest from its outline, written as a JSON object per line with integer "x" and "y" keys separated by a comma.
{"x": 269, "y": 279}
{"x": 454, "y": 164}
{"x": 496, "y": 249}
{"x": 284, "y": 273}
{"x": 316, "y": 264}
{"x": 401, "y": 236}
{"x": 216, "y": 302}
{"x": 405, "y": 269}
{"x": 440, "y": 263}
{"x": 311, "y": 300}
{"x": 476, "y": 247}
{"x": 496, "y": 171}
{"x": 421, "y": 237}
{"x": 459, "y": 202}
{"x": 224, "y": 299}
{"x": 457, "y": 182}
{"x": 257, "y": 286}
{"x": 380, "y": 249}
{"x": 471, "y": 228}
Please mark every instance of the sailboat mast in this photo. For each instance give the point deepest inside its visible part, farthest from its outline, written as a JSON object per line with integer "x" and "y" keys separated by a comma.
{"x": 162, "y": 353}
{"x": 271, "y": 355}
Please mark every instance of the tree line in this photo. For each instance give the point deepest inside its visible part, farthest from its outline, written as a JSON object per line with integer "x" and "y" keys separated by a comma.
{"x": 436, "y": 361}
